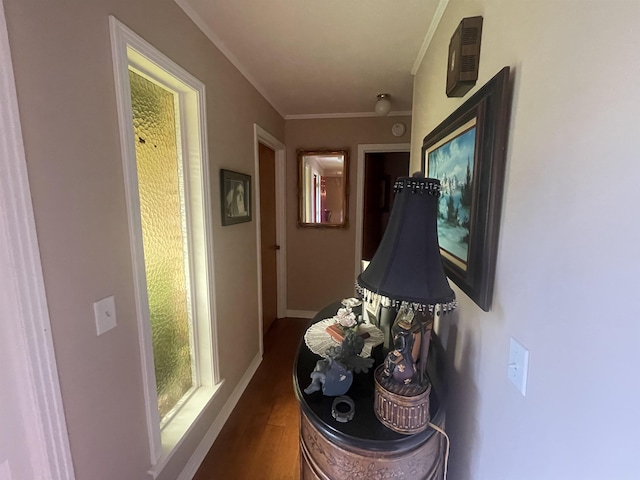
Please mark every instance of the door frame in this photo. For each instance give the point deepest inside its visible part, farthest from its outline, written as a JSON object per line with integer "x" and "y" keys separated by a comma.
{"x": 260, "y": 135}
{"x": 363, "y": 149}
{"x": 40, "y": 396}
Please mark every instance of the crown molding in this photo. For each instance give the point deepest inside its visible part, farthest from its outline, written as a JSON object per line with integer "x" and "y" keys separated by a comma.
{"x": 202, "y": 25}
{"x": 437, "y": 16}
{"x": 313, "y": 116}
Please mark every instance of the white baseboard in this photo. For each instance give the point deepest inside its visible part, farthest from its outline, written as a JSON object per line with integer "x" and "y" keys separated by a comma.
{"x": 197, "y": 458}
{"x": 301, "y": 314}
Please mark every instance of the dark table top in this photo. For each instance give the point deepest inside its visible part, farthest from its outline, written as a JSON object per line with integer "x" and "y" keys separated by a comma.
{"x": 365, "y": 430}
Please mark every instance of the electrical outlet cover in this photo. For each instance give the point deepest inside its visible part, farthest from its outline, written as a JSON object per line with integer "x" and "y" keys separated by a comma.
{"x": 105, "y": 314}
{"x": 518, "y": 365}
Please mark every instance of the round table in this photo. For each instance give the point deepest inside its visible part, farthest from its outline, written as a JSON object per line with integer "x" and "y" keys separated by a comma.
{"x": 363, "y": 447}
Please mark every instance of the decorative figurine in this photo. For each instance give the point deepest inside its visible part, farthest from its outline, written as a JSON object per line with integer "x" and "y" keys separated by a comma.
{"x": 400, "y": 364}
{"x": 334, "y": 374}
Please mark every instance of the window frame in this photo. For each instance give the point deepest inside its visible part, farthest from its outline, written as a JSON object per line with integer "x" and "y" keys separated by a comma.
{"x": 131, "y": 51}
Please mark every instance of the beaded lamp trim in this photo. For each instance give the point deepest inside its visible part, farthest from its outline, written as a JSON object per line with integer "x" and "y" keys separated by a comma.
{"x": 433, "y": 308}
{"x": 430, "y": 186}
{"x": 415, "y": 184}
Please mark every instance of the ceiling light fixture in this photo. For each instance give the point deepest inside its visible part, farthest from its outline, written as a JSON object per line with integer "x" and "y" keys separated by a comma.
{"x": 383, "y": 105}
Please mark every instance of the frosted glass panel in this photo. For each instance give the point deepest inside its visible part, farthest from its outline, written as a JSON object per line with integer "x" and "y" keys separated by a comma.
{"x": 159, "y": 184}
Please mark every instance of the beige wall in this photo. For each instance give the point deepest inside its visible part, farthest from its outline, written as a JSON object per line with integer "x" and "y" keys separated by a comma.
{"x": 320, "y": 262}
{"x": 64, "y": 76}
{"x": 567, "y": 268}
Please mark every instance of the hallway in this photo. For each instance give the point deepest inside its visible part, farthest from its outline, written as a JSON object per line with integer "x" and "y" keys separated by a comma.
{"x": 260, "y": 439}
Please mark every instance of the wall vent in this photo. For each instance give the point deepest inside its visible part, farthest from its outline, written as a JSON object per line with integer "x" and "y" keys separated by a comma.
{"x": 464, "y": 57}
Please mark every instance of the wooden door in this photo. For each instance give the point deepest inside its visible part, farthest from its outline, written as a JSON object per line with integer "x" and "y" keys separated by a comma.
{"x": 267, "y": 162}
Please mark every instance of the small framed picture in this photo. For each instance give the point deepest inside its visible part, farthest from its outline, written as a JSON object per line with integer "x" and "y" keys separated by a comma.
{"x": 235, "y": 191}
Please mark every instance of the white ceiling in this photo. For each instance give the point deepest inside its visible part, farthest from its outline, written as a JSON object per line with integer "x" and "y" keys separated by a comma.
{"x": 322, "y": 58}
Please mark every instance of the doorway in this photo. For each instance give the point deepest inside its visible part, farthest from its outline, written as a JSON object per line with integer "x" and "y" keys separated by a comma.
{"x": 268, "y": 237}
{"x": 365, "y": 150}
{"x": 36, "y": 440}
{"x": 264, "y": 140}
{"x": 381, "y": 171}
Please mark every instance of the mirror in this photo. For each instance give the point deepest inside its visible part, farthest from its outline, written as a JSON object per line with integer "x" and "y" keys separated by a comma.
{"x": 322, "y": 188}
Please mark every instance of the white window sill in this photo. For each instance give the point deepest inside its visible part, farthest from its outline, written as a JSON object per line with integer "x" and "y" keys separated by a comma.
{"x": 177, "y": 429}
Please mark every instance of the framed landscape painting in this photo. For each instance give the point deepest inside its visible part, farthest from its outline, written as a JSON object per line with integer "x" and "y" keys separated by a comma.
{"x": 466, "y": 153}
{"x": 452, "y": 161}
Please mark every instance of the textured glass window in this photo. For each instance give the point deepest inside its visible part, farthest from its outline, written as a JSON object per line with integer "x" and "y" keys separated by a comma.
{"x": 164, "y": 238}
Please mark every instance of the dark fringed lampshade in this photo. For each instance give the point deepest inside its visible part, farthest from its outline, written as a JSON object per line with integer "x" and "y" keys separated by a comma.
{"x": 407, "y": 266}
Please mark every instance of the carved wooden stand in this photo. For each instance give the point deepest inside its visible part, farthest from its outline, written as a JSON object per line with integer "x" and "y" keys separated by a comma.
{"x": 321, "y": 459}
{"x": 363, "y": 448}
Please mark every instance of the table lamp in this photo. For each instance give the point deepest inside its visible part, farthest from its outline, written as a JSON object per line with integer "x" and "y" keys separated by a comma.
{"x": 406, "y": 274}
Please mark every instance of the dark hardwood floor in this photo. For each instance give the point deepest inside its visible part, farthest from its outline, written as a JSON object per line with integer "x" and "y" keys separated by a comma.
{"x": 260, "y": 439}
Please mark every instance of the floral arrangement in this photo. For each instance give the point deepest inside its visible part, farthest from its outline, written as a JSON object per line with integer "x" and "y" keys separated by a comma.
{"x": 346, "y": 320}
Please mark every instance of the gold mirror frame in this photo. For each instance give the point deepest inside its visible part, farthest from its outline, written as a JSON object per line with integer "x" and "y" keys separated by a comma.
{"x": 327, "y": 210}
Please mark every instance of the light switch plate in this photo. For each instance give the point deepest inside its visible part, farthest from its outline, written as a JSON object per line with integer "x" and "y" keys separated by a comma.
{"x": 105, "y": 314}
{"x": 518, "y": 365}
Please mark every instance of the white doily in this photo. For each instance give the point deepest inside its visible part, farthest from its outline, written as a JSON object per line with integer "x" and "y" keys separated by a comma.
{"x": 318, "y": 340}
